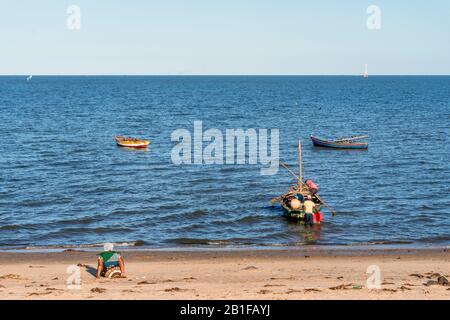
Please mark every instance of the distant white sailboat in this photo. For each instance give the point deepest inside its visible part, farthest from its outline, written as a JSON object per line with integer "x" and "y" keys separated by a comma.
{"x": 29, "y": 77}
{"x": 366, "y": 73}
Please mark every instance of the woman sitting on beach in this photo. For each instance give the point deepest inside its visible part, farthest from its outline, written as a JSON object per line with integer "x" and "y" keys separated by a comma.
{"x": 110, "y": 263}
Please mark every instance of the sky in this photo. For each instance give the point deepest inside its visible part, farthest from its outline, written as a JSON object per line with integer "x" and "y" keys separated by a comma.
{"x": 228, "y": 37}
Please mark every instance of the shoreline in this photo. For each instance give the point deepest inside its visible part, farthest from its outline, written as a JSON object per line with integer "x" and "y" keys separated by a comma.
{"x": 199, "y": 253}
{"x": 250, "y": 274}
{"x": 126, "y": 246}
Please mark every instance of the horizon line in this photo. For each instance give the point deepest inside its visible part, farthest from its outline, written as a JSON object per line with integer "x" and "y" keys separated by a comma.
{"x": 216, "y": 75}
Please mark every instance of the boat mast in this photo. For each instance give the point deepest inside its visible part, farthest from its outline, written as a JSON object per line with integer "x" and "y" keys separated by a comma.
{"x": 299, "y": 182}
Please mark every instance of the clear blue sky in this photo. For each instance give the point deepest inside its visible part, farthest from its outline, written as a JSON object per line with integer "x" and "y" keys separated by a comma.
{"x": 224, "y": 37}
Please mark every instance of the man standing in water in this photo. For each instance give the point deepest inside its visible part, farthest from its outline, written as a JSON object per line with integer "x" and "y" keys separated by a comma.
{"x": 309, "y": 206}
{"x": 110, "y": 263}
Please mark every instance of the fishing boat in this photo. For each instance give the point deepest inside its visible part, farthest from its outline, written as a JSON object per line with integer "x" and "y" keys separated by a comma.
{"x": 297, "y": 213}
{"x": 130, "y": 142}
{"x": 342, "y": 143}
{"x": 291, "y": 201}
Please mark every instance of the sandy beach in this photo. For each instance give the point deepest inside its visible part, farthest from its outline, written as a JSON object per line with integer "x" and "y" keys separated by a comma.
{"x": 264, "y": 274}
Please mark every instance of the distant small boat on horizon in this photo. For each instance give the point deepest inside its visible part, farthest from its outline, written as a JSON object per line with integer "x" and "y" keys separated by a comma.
{"x": 366, "y": 73}
{"x": 29, "y": 77}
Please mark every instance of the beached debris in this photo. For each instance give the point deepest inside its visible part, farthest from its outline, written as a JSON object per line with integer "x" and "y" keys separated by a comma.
{"x": 274, "y": 285}
{"x": 72, "y": 250}
{"x": 442, "y": 281}
{"x": 312, "y": 290}
{"x": 38, "y": 293}
{"x": 263, "y": 291}
{"x": 12, "y": 276}
{"x": 170, "y": 280}
{"x": 174, "y": 289}
{"x": 430, "y": 283}
{"x": 98, "y": 290}
{"x": 250, "y": 268}
{"x": 342, "y": 287}
{"x": 292, "y": 291}
{"x": 146, "y": 282}
{"x": 287, "y": 278}
{"x": 404, "y": 288}
{"x": 410, "y": 284}
{"x": 53, "y": 289}
{"x": 432, "y": 274}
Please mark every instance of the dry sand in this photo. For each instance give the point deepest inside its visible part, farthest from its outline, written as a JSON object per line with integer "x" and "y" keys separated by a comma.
{"x": 268, "y": 274}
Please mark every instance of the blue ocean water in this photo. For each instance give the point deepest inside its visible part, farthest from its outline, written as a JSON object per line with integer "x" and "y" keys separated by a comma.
{"x": 63, "y": 181}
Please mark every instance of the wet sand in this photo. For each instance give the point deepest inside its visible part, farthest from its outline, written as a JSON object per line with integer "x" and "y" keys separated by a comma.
{"x": 239, "y": 274}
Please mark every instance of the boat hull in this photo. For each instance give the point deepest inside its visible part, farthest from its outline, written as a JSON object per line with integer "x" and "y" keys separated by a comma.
{"x": 134, "y": 146}
{"x": 131, "y": 142}
{"x": 338, "y": 145}
{"x": 295, "y": 215}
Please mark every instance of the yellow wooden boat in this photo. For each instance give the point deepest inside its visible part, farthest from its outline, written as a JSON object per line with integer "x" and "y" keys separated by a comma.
{"x": 130, "y": 142}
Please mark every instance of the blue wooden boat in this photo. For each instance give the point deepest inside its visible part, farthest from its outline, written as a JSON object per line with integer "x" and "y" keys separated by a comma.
{"x": 343, "y": 143}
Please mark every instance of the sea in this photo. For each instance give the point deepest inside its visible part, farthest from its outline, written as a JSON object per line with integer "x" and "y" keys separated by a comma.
{"x": 65, "y": 183}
